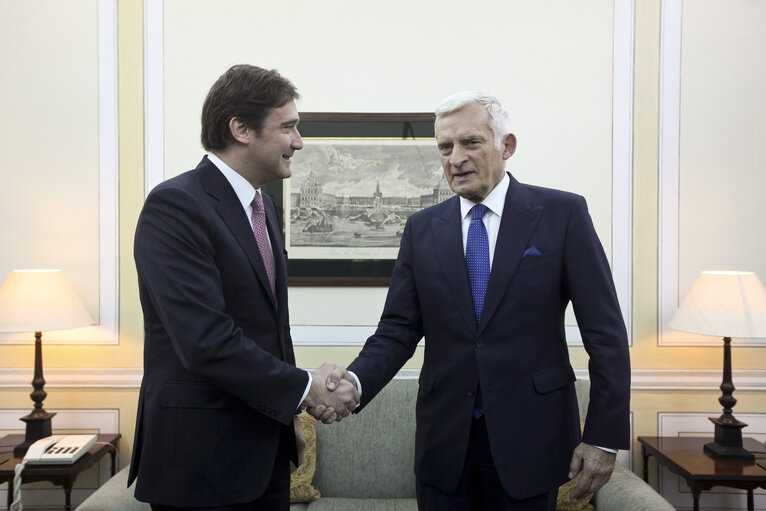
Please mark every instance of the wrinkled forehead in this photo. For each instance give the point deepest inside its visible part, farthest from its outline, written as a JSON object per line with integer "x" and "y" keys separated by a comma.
{"x": 469, "y": 120}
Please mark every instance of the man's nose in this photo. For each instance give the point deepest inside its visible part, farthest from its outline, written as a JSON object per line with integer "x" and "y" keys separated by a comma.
{"x": 297, "y": 143}
{"x": 457, "y": 157}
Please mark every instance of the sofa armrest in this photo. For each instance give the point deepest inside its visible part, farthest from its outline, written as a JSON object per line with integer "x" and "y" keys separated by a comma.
{"x": 114, "y": 495}
{"x": 626, "y": 491}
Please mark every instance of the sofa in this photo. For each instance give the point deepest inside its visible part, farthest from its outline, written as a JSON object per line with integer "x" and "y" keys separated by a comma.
{"x": 365, "y": 463}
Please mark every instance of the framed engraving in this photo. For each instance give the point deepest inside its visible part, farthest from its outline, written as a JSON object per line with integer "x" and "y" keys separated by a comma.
{"x": 356, "y": 181}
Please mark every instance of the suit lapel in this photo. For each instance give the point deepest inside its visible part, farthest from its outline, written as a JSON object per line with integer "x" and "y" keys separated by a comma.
{"x": 230, "y": 210}
{"x": 448, "y": 234}
{"x": 519, "y": 220}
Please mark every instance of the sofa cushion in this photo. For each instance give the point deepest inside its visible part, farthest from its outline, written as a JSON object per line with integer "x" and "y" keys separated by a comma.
{"x": 371, "y": 455}
{"x": 626, "y": 491}
{"x": 301, "y": 489}
{"x": 114, "y": 495}
{"x": 336, "y": 504}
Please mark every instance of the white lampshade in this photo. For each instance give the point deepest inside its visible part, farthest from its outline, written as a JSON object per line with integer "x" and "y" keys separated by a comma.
{"x": 725, "y": 304}
{"x": 40, "y": 300}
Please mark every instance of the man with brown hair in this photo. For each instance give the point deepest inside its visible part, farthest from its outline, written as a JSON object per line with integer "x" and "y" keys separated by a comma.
{"x": 215, "y": 427}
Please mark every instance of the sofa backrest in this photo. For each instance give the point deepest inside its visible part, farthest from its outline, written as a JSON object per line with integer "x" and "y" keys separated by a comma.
{"x": 372, "y": 454}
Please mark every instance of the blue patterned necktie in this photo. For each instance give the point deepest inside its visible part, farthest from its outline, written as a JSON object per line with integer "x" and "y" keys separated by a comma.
{"x": 477, "y": 262}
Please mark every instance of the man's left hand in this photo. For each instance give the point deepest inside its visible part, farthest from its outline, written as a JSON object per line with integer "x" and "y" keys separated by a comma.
{"x": 596, "y": 466}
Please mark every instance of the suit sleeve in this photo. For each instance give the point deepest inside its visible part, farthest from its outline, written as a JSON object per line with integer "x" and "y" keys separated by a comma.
{"x": 176, "y": 262}
{"x": 399, "y": 329}
{"x": 594, "y": 299}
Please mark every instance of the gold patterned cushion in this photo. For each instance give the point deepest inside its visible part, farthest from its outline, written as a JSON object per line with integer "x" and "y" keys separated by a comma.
{"x": 564, "y": 502}
{"x": 301, "y": 489}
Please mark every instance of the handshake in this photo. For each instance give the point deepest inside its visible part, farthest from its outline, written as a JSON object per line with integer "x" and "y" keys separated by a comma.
{"x": 333, "y": 393}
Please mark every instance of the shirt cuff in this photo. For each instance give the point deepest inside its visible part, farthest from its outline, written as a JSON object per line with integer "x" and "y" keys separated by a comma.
{"x": 358, "y": 386}
{"x": 300, "y": 406}
{"x": 607, "y": 449}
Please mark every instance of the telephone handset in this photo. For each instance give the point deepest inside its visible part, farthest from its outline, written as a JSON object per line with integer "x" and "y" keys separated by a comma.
{"x": 59, "y": 449}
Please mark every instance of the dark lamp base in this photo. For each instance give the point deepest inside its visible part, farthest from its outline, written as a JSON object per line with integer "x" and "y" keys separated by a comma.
{"x": 38, "y": 426}
{"x": 728, "y": 439}
{"x": 730, "y": 453}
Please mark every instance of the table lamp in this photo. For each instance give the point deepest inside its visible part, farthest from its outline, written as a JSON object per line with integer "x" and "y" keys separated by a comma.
{"x": 728, "y": 304}
{"x": 33, "y": 301}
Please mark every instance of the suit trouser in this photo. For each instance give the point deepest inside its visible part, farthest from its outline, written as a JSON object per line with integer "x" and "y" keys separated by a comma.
{"x": 480, "y": 488}
{"x": 276, "y": 497}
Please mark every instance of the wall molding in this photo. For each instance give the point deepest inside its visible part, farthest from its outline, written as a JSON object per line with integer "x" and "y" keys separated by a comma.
{"x": 669, "y": 139}
{"x": 154, "y": 124}
{"x": 641, "y": 379}
{"x": 74, "y": 377}
{"x": 694, "y": 379}
{"x": 105, "y": 331}
{"x": 622, "y": 162}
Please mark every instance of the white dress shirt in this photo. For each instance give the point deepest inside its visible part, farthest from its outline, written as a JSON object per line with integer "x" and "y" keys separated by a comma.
{"x": 495, "y": 203}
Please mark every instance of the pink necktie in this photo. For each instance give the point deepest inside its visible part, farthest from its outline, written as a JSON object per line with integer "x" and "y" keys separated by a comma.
{"x": 258, "y": 219}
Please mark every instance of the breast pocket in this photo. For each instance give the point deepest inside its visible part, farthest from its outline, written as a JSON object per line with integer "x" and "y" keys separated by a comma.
{"x": 532, "y": 262}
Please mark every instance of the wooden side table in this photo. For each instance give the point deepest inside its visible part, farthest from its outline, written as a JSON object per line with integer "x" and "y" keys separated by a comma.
{"x": 60, "y": 475}
{"x": 684, "y": 456}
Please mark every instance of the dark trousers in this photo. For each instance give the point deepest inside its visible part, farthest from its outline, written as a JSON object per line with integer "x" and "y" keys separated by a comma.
{"x": 276, "y": 497}
{"x": 480, "y": 488}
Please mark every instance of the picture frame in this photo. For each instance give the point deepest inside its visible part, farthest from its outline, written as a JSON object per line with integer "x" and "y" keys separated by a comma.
{"x": 345, "y": 233}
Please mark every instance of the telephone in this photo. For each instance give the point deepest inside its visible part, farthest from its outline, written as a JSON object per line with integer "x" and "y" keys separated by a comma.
{"x": 59, "y": 449}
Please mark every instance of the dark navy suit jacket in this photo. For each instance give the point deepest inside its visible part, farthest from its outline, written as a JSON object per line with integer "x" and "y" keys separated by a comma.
{"x": 220, "y": 382}
{"x": 547, "y": 253}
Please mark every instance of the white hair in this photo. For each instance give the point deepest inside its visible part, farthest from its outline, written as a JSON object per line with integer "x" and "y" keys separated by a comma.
{"x": 499, "y": 119}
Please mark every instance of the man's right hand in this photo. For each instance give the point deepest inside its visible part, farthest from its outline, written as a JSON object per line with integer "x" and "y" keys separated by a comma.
{"x": 332, "y": 394}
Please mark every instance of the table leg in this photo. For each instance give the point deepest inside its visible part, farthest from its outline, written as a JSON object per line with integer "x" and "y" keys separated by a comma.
{"x": 645, "y": 456}
{"x": 696, "y": 497}
{"x": 10, "y": 493}
{"x": 113, "y": 454}
{"x": 750, "y": 502}
{"x": 68, "y": 497}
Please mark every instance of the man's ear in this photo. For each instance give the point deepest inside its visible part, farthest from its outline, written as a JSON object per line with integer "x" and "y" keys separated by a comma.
{"x": 239, "y": 130}
{"x": 509, "y": 145}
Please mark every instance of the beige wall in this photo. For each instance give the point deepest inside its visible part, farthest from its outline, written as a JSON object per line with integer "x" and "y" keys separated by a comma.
{"x": 551, "y": 62}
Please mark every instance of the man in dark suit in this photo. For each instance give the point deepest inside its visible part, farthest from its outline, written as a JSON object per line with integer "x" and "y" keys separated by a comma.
{"x": 497, "y": 419}
{"x": 215, "y": 427}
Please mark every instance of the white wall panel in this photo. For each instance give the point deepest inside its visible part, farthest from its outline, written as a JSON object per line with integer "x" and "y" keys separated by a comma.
{"x": 711, "y": 153}
{"x": 58, "y": 137}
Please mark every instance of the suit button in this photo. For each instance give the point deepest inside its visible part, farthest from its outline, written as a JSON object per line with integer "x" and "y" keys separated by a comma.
{"x": 479, "y": 343}
{"x": 470, "y": 393}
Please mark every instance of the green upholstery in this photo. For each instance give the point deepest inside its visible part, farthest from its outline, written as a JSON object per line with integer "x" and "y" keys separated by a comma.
{"x": 365, "y": 463}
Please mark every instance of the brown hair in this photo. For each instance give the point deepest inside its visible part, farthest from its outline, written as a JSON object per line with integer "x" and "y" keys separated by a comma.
{"x": 246, "y": 92}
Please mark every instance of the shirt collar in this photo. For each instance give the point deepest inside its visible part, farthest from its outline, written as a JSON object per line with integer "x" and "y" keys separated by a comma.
{"x": 495, "y": 201}
{"x": 242, "y": 187}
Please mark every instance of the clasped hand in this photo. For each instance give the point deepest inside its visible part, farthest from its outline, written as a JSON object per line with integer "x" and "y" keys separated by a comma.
{"x": 333, "y": 393}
